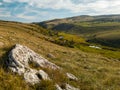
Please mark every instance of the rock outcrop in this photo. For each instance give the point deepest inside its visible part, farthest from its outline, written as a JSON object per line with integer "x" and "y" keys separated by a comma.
{"x": 43, "y": 75}
{"x": 30, "y": 76}
{"x": 19, "y": 59}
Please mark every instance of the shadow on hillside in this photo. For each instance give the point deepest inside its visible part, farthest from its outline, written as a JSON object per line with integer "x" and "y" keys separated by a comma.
{"x": 4, "y": 58}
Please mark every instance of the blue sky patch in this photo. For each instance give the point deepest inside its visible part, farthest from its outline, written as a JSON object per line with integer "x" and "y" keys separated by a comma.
{"x": 40, "y": 10}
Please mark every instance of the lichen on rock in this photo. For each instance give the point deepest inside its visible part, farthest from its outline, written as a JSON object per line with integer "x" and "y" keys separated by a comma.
{"x": 19, "y": 58}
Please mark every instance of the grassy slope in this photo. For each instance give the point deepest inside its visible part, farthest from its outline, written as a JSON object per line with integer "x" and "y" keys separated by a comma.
{"x": 90, "y": 27}
{"x": 95, "y": 71}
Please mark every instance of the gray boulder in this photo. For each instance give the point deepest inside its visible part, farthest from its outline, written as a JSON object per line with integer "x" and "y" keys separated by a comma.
{"x": 31, "y": 77}
{"x": 19, "y": 59}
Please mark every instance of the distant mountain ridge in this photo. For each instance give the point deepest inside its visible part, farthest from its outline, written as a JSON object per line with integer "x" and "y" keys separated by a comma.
{"x": 91, "y": 27}
{"x": 82, "y": 18}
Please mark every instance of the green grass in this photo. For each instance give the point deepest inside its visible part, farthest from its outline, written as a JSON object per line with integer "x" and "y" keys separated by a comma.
{"x": 95, "y": 69}
{"x": 95, "y": 29}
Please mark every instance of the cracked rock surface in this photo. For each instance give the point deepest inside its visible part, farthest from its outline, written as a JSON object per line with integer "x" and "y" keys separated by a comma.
{"x": 19, "y": 59}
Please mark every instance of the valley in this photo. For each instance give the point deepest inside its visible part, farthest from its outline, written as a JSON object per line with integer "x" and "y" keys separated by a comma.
{"x": 104, "y": 29}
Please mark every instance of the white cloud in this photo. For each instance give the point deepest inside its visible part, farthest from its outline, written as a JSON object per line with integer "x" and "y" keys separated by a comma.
{"x": 81, "y": 6}
{"x": 76, "y": 7}
{"x": 23, "y": 16}
{"x": 26, "y": 13}
{"x": 96, "y": 5}
{"x": 0, "y": 3}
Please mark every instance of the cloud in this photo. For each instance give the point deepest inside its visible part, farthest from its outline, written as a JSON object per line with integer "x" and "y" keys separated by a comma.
{"x": 80, "y": 6}
{"x": 0, "y": 3}
{"x": 47, "y": 9}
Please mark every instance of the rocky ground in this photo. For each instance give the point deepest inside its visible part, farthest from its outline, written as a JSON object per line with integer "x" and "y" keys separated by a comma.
{"x": 21, "y": 56}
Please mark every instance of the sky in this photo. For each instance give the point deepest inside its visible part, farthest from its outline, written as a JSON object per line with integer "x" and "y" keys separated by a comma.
{"x": 41, "y": 10}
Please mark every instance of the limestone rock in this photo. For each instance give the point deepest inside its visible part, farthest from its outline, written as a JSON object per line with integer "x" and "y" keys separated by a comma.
{"x": 71, "y": 76}
{"x": 31, "y": 77}
{"x": 19, "y": 59}
{"x": 58, "y": 87}
{"x": 69, "y": 87}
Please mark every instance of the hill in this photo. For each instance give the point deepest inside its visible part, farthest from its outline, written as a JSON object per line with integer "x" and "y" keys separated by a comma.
{"x": 96, "y": 29}
{"x": 95, "y": 68}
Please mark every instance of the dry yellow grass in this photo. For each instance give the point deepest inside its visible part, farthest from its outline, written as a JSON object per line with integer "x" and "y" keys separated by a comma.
{"x": 95, "y": 72}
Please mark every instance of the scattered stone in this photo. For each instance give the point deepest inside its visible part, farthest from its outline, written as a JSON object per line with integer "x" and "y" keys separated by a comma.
{"x": 58, "y": 87}
{"x": 69, "y": 87}
{"x": 13, "y": 39}
{"x": 71, "y": 76}
{"x": 66, "y": 87}
{"x": 61, "y": 37}
{"x": 20, "y": 59}
{"x": 96, "y": 47}
{"x": 49, "y": 55}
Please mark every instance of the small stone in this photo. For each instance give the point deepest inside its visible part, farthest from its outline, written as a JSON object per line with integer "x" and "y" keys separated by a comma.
{"x": 58, "y": 87}
{"x": 96, "y": 47}
{"x": 13, "y": 39}
{"x": 71, "y": 76}
{"x": 49, "y": 55}
{"x": 69, "y": 87}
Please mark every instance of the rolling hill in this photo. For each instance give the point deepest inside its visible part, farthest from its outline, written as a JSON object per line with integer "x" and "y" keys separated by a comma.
{"x": 96, "y": 69}
{"x": 104, "y": 29}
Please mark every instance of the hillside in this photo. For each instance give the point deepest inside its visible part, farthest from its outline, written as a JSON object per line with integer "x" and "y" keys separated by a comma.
{"x": 96, "y": 69}
{"x": 96, "y": 29}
